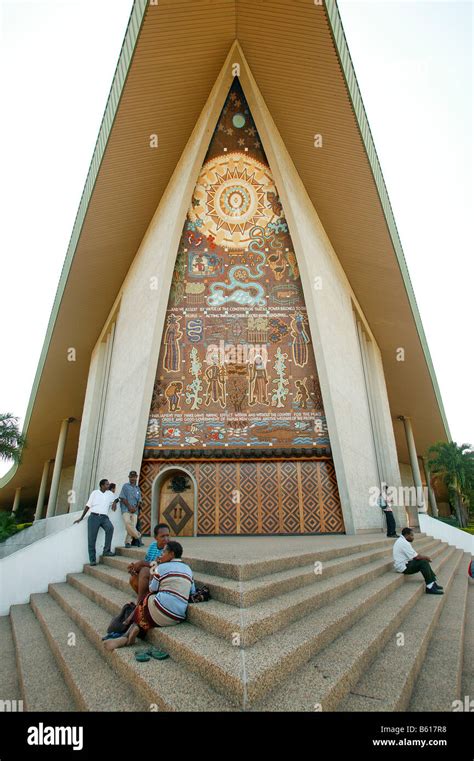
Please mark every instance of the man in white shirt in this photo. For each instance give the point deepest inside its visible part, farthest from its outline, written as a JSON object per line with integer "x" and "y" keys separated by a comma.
{"x": 407, "y": 561}
{"x": 99, "y": 503}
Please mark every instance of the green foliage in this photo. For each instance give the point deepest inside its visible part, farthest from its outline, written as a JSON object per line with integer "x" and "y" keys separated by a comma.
{"x": 451, "y": 521}
{"x": 12, "y": 440}
{"x": 8, "y": 526}
{"x": 454, "y": 465}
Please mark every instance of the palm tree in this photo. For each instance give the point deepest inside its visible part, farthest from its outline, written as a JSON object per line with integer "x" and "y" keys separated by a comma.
{"x": 12, "y": 440}
{"x": 454, "y": 465}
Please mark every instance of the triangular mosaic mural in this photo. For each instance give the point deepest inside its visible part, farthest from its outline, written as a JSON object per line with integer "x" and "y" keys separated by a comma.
{"x": 236, "y": 369}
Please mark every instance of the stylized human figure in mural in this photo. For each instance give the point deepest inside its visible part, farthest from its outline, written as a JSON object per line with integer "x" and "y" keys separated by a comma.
{"x": 294, "y": 271}
{"x": 300, "y": 340}
{"x": 172, "y": 358}
{"x": 258, "y": 382}
{"x": 281, "y": 381}
{"x": 302, "y": 394}
{"x": 173, "y": 395}
{"x": 215, "y": 377}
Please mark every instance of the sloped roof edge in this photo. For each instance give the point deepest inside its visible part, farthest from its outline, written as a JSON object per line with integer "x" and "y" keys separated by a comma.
{"x": 340, "y": 42}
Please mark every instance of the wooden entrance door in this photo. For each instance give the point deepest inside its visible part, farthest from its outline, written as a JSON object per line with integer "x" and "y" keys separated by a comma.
{"x": 177, "y": 503}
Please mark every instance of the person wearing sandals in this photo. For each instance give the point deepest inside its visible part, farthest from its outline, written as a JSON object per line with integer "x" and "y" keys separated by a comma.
{"x": 166, "y": 603}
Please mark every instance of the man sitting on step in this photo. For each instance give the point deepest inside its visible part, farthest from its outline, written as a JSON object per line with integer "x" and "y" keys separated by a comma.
{"x": 141, "y": 569}
{"x": 406, "y": 560}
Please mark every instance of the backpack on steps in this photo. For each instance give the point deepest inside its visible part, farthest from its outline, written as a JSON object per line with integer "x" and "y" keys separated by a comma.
{"x": 117, "y": 623}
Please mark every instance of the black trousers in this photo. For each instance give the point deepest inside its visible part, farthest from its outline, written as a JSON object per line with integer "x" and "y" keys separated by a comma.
{"x": 391, "y": 527}
{"x": 94, "y": 523}
{"x": 423, "y": 566}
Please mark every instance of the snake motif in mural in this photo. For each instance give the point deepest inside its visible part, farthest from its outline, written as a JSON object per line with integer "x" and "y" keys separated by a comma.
{"x": 240, "y": 285}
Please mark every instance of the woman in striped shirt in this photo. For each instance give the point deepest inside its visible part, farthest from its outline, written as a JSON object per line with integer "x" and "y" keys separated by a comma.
{"x": 171, "y": 583}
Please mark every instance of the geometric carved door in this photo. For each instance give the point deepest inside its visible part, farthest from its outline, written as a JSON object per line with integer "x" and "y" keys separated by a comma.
{"x": 176, "y": 506}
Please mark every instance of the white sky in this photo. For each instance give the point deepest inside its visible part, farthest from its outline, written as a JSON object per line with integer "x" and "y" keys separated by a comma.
{"x": 414, "y": 64}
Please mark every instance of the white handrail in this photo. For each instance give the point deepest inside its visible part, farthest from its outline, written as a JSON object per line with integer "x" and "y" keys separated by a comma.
{"x": 450, "y": 534}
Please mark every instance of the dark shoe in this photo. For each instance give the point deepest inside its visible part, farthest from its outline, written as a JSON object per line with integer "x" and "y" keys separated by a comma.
{"x": 438, "y": 586}
{"x": 108, "y": 554}
{"x": 93, "y": 562}
{"x": 127, "y": 546}
{"x": 393, "y": 536}
{"x": 434, "y": 590}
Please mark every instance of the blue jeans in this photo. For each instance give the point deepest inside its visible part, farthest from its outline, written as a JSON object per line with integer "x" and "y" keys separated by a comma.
{"x": 94, "y": 523}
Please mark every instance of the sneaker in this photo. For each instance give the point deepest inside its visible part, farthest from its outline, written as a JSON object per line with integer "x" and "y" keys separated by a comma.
{"x": 434, "y": 590}
{"x": 108, "y": 554}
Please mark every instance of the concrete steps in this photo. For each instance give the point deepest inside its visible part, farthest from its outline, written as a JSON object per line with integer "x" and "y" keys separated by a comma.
{"x": 37, "y": 666}
{"x": 388, "y": 684}
{"x": 9, "y": 677}
{"x": 95, "y": 686}
{"x": 280, "y": 633}
{"x": 467, "y": 676}
{"x": 229, "y": 664}
{"x": 233, "y": 566}
{"x": 179, "y": 691}
{"x": 438, "y": 682}
{"x": 271, "y": 584}
{"x": 325, "y": 679}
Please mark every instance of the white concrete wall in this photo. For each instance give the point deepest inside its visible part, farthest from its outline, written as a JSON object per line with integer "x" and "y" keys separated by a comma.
{"x": 142, "y": 310}
{"x": 48, "y": 560}
{"x": 450, "y": 534}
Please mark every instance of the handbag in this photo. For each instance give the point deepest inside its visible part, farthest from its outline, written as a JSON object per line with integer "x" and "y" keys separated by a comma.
{"x": 117, "y": 624}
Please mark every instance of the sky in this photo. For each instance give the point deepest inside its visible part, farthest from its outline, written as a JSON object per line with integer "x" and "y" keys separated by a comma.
{"x": 413, "y": 61}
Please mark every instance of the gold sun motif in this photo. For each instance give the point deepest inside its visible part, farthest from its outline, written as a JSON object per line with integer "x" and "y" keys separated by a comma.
{"x": 231, "y": 197}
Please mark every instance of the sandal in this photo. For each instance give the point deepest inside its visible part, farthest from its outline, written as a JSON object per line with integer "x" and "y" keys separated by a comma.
{"x": 159, "y": 655}
{"x": 142, "y": 657}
